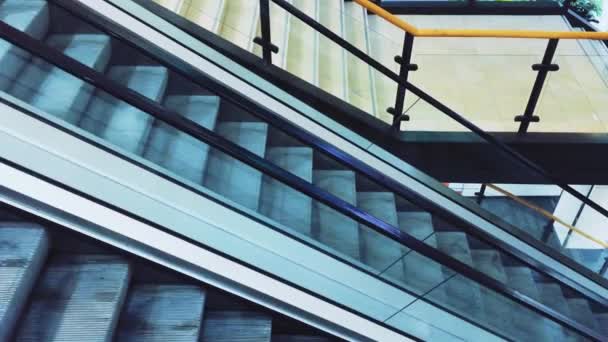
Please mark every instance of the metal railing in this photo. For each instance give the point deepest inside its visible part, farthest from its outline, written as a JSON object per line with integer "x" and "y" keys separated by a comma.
{"x": 552, "y": 218}
{"x": 404, "y": 84}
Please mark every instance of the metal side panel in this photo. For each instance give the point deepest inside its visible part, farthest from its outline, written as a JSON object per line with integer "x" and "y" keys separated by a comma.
{"x": 104, "y": 176}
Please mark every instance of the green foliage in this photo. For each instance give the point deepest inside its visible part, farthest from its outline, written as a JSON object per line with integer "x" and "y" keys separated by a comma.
{"x": 589, "y": 9}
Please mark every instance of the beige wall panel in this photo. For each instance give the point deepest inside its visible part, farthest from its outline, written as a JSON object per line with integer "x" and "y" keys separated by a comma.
{"x": 206, "y": 13}
{"x": 302, "y": 50}
{"x": 240, "y": 22}
{"x": 332, "y": 57}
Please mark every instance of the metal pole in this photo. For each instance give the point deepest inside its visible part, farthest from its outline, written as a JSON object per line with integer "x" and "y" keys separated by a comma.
{"x": 404, "y": 69}
{"x": 265, "y": 41}
{"x": 543, "y": 69}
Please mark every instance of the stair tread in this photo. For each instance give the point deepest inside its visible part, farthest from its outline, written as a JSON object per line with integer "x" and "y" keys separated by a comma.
{"x": 235, "y": 326}
{"x": 581, "y": 312}
{"x": 521, "y": 279}
{"x": 490, "y": 263}
{"x": 23, "y": 249}
{"x": 177, "y": 151}
{"x": 416, "y": 223}
{"x": 300, "y": 338}
{"x": 551, "y": 295}
{"x": 56, "y": 92}
{"x": 379, "y": 251}
{"x": 75, "y": 292}
{"x": 282, "y": 203}
{"x": 456, "y": 245}
{"x": 230, "y": 177}
{"x": 119, "y": 123}
{"x": 161, "y": 312}
{"x": 332, "y": 228}
{"x": 31, "y": 17}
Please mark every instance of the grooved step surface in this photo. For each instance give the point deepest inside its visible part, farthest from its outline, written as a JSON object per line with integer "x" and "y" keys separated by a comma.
{"x": 177, "y": 151}
{"x": 31, "y": 17}
{"x": 552, "y": 296}
{"x": 581, "y": 312}
{"x": 77, "y": 298}
{"x": 53, "y": 90}
{"x": 230, "y": 177}
{"x": 162, "y": 313}
{"x": 463, "y": 294}
{"x": 379, "y": 251}
{"x": 23, "y": 249}
{"x": 119, "y": 123}
{"x": 236, "y": 326}
{"x": 332, "y": 228}
{"x": 285, "y": 204}
{"x": 417, "y": 272}
{"x": 299, "y": 338}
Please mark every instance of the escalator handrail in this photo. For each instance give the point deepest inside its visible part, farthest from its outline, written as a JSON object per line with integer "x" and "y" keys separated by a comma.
{"x": 476, "y": 33}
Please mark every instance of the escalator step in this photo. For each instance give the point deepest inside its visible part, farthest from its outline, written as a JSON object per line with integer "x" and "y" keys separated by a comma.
{"x": 332, "y": 228}
{"x": 282, "y": 203}
{"x": 31, "y": 17}
{"x": 56, "y": 92}
{"x": 379, "y": 251}
{"x": 300, "y": 338}
{"x": 235, "y": 326}
{"x": 78, "y": 298}
{"x": 118, "y": 122}
{"x": 162, "y": 313}
{"x": 177, "y": 151}
{"x": 415, "y": 271}
{"x": 23, "y": 250}
{"x": 581, "y": 312}
{"x": 462, "y": 293}
{"x": 231, "y": 178}
{"x": 552, "y": 296}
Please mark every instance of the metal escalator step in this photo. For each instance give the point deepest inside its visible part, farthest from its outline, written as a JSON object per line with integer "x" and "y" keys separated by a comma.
{"x": 119, "y": 123}
{"x": 31, "y": 17}
{"x": 78, "y": 298}
{"x": 23, "y": 250}
{"x": 330, "y": 227}
{"x": 282, "y": 203}
{"x": 231, "y": 178}
{"x": 235, "y": 326}
{"x": 162, "y": 313}
{"x": 379, "y": 251}
{"x": 56, "y": 92}
{"x": 177, "y": 151}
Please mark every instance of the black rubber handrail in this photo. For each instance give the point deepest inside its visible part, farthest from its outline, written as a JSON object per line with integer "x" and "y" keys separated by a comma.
{"x": 139, "y": 101}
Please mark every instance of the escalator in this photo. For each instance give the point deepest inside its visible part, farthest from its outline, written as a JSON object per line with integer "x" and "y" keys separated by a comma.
{"x": 126, "y": 97}
{"x": 58, "y": 285}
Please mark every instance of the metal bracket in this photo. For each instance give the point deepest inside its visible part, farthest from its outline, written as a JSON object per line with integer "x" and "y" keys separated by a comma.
{"x": 408, "y": 66}
{"x": 400, "y": 117}
{"x": 522, "y": 118}
{"x": 263, "y": 44}
{"x": 545, "y": 67}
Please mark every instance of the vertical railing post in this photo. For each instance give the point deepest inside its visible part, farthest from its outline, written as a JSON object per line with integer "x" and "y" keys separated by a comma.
{"x": 404, "y": 68}
{"x": 543, "y": 69}
{"x": 481, "y": 193}
{"x": 604, "y": 268}
{"x": 265, "y": 40}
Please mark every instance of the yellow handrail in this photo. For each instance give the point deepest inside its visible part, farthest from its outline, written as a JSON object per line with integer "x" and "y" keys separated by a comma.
{"x": 413, "y": 30}
{"x": 546, "y": 214}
